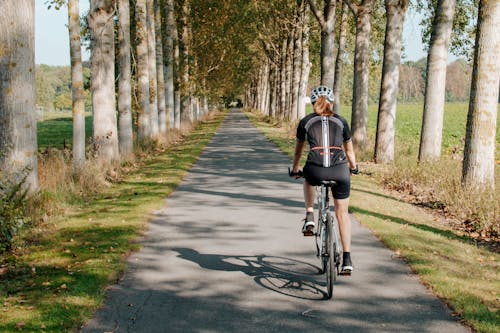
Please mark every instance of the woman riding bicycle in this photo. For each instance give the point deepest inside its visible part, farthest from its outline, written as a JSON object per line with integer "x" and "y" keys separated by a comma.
{"x": 331, "y": 157}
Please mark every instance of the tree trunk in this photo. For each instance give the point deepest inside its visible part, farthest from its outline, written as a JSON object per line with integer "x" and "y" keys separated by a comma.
{"x": 289, "y": 74}
{"x": 18, "y": 132}
{"x": 101, "y": 25}
{"x": 283, "y": 79}
{"x": 306, "y": 66}
{"x": 162, "y": 112}
{"x": 384, "y": 141}
{"x": 125, "y": 132}
{"x": 479, "y": 153}
{"x": 339, "y": 62}
{"x": 326, "y": 20}
{"x": 153, "y": 83}
{"x": 359, "y": 115}
{"x": 77, "y": 86}
{"x": 186, "y": 111}
{"x": 168, "y": 55}
{"x": 297, "y": 65}
{"x": 272, "y": 94}
{"x": 177, "y": 79}
{"x": 144, "y": 118}
{"x": 432, "y": 124}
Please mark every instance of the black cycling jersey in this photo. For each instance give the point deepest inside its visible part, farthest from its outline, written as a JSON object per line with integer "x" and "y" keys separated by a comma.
{"x": 325, "y": 136}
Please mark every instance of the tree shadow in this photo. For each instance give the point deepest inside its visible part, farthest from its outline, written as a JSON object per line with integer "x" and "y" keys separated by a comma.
{"x": 445, "y": 233}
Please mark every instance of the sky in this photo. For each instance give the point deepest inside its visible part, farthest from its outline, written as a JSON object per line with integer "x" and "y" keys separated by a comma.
{"x": 52, "y": 41}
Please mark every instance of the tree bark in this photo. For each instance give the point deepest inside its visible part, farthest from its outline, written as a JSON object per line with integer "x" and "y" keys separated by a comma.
{"x": 339, "y": 61}
{"x": 101, "y": 25}
{"x": 363, "y": 14}
{"x": 326, "y": 20}
{"x": 297, "y": 63}
{"x": 284, "y": 48}
{"x": 479, "y": 153}
{"x": 386, "y": 121}
{"x": 153, "y": 83}
{"x": 162, "y": 112}
{"x": 144, "y": 118}
{"x": 125, "y": 131}
{"x": 432, "y": 124}
{"x": 177, "y": 79}
{"x": 186, "y": 110}
{"x": 168, "y": 55}
{"x": 78, "y": 98}
{"x": 306, "y": 66}
{"x": 18, "y": 132}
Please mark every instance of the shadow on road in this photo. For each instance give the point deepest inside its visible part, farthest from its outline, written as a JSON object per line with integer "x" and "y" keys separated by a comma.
{"x": 285, "y": 276}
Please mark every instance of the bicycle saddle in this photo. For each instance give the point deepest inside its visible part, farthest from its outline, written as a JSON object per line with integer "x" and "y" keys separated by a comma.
{"x": 329, "y": 183}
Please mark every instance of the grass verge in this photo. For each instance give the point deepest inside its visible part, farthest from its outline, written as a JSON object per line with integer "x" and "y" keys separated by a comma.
{"x": 462, "y": 274}
{"x": 57, "y": 282}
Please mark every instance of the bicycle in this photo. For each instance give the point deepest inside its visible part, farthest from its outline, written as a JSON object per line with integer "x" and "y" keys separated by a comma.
{"x": 326, "y": 237}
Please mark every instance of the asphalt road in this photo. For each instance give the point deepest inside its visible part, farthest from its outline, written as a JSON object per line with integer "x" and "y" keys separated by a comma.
{"x": 226, "y": 255}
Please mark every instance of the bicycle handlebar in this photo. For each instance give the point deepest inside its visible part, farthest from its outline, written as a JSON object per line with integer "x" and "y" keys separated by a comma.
{"x": 295, "y": 174}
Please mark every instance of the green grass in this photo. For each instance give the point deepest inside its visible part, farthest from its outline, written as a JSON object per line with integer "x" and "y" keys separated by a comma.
{"x": 57, "y": 282}
{"x": 55, "y": 130}
{"x": 465, "y": 276}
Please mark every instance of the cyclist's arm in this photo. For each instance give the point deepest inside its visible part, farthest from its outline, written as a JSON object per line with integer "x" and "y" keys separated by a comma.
{"x": 349, "y": 151}
{"x": 299, "y": 147}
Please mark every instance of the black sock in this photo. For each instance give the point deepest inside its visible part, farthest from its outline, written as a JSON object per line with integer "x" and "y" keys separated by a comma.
{"x": 309, "y": 216}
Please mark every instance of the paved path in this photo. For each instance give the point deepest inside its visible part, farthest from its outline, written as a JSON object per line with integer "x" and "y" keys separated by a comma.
{"x": 226, "y": 255}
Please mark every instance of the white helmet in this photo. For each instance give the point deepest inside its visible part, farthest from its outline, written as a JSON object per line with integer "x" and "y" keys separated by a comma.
{"x": 322, "y": 91}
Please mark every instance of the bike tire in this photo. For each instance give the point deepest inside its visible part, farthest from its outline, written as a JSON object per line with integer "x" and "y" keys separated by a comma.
{"x": 328, "y": 259}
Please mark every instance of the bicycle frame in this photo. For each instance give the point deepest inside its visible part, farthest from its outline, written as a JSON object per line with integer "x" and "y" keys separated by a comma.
{"x": 324, "y": 211}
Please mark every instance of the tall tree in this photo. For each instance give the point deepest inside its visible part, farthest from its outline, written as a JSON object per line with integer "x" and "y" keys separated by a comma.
{"x": 432, "y": 124}
{"x": 168, "y": 55}
{"x": 306, "y": 67}
{"x": 125, "y": 131}
{"x": 363, "y": 15}
{"x": 479, "y": 153}
{"x": 144, "y": 118}
{"x": 18, "y": 142}
{"x": 326, "y": 20}
{"x": 153, "y": 83}
{"x": 339, "y": 61}
{"x": 160, "y": 78}
{"x": 177, "y": 79}
{"x": 101, "y": 26}
{"x": 77, "y": 86}
{"x": 384, "y": 141}
{"x": 186, "y": 109}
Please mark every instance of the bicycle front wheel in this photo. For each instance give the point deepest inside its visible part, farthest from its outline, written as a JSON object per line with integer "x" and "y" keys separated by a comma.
{"x": 328, "y": 258}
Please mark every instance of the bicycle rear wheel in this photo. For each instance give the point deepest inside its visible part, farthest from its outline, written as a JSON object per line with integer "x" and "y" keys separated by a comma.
{"x": 328, "y": 258}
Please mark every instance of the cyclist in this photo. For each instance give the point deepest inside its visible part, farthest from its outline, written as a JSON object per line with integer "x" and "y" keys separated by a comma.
{"x": 331, "y": 157}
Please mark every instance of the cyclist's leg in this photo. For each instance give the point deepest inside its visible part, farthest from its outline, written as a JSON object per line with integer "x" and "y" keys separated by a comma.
{"x": 342, "y": 214}
{"x": 309, "y": 196}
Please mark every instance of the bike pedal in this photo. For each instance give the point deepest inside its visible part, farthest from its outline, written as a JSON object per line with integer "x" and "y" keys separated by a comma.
{"x": 308, "y": 233}
{"x": 345, "y": 273}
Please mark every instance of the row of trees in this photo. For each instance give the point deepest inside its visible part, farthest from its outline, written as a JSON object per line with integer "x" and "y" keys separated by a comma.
{"x": 175, "y": 57}
{"x": 148, "y": 75}
{"x": 479, "y": 158}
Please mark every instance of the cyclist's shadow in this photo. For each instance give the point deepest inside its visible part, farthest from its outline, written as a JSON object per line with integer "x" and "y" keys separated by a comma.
{"x": 283, "y": 275}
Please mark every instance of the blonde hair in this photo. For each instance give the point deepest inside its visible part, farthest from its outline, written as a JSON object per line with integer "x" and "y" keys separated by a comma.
{"x": 322, "y": 107}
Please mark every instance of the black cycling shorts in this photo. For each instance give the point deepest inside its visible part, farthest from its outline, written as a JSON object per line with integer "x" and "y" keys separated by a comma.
{"x": 340, "y": 173}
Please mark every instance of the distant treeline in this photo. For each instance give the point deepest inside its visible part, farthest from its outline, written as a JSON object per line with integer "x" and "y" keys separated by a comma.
{"x": 53, "y": 87}
{"x": 53, "y": 84}
{"x": 412, "y": 82}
